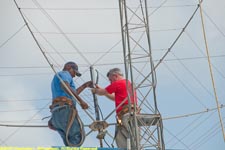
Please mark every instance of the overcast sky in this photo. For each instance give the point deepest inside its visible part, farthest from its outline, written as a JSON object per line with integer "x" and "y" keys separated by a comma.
{"x": 88, "y": 32}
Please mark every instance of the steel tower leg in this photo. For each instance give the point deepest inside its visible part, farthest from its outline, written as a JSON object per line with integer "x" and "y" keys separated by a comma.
{"x": 139, "y": 69}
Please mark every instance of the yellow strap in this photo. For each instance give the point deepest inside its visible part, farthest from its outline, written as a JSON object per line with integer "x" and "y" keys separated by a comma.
{"x": 23, "y": 148}
{"x": 69, "y": 148}
{"x": 47, "y": 148}
{"x": 82, "y": 148}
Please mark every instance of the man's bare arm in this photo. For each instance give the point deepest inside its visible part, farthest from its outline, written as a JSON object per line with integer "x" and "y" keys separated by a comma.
{"x": 101, "y": 91}
{"x": 83, "y": 104}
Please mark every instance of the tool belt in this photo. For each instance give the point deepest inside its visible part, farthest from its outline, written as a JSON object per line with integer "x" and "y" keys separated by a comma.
{"x": 125, "y": 110}
{"x": 61, "y": 101}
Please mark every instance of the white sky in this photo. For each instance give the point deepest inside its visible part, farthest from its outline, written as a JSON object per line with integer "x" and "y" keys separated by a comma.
{"x": 93, "y": 26}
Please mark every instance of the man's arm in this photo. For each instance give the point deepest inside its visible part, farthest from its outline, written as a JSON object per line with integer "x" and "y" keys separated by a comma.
{"x": 83, "y": 86}
{"x": 83, "y": 104}
{"x": 111, "y": 96}
{"x": 101, "y": 91}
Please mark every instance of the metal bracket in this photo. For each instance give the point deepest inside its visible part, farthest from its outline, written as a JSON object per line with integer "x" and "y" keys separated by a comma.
{"x": 98, "y": 125}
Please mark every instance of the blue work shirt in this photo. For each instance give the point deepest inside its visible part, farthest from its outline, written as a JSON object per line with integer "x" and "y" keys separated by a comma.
{"x": 61, "y": 117}
{"x": 57, "y": 90}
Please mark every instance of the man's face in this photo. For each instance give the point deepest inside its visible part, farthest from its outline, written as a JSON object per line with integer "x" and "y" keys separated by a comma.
{"x": 72, "y": 72}
{"x": 112, "y": 77}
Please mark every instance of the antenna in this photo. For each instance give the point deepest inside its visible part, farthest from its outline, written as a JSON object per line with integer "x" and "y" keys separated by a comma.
{"x": 96, "y": 103}
{"x": 138, "y": 64}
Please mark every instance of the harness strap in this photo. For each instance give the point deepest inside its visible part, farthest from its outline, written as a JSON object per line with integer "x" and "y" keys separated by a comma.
{"x": 125, "y": 110}
{"x": 72, "y": 116}
{"x": 60, "y": 101}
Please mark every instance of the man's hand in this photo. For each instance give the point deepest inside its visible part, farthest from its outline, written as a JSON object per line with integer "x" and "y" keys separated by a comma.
{"x": 98, "y": 90}
{"x": 101, "y": 91}
{"x": 84, "y": 105}
{"x": 94, "y": 90}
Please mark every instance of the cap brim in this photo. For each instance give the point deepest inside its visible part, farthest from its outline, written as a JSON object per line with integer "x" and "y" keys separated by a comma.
{"x": 78, "y": 74}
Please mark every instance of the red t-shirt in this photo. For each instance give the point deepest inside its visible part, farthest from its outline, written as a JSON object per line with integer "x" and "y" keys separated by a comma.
{"x": 119, "y": 88}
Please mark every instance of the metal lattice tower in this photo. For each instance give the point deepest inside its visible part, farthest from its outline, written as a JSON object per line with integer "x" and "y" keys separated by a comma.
{"x": 139, "y": 69}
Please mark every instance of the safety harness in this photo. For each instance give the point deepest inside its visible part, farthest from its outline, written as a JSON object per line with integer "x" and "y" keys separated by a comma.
{"x": 61, "y": 103}
{"x": 122, "y": 130}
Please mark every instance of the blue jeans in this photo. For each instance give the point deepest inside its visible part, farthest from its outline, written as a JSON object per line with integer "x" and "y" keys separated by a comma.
{"x": 60, "y": 119}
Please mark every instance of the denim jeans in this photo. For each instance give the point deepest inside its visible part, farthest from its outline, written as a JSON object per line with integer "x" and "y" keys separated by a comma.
{"x": 60, "y": 119}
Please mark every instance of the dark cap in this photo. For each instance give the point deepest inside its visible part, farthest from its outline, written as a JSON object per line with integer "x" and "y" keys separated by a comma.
{"x": 74, "y": 66}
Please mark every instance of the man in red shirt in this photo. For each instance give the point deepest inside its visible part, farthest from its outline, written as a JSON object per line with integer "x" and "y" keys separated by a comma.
{"x": 121, "y": 91}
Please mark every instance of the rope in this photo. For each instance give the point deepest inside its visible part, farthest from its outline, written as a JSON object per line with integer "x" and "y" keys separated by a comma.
{"x": 173, "y": 135}
{"x": 169, "y": 49}
{"x": 184, "y": 85}
{"x": 51, "y": 65}
{"x": 210, "y": 68}
{"x": 61, "y": 31}
{"x": 206, "y": 136}
{"x": 192, "y": 114}
{"x": 45, "y": 40}
{"x": 70, "y": 92}
{"x": 72, "y": 116}
{"x": 12, "y": 36}
{"x": 192, "y": 74}
{"x": 194, "y": 127}
{"x": 102, "y": 8}
{"x": 166, "y": 118}
{"x": 101, "y": 33}
{"x": 24, "y": 126}
{"x": 210, "y": 19}
{"x": 185, "y": 128}
{"x": 204, "y": 56}
{"x": 14, "y": 132}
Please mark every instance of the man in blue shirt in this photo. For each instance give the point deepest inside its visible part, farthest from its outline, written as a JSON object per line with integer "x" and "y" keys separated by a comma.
{"x": 65, "y": 119}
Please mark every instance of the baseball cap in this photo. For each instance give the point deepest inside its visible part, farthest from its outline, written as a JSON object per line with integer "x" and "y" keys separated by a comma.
{"x": 74, "y": 66}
